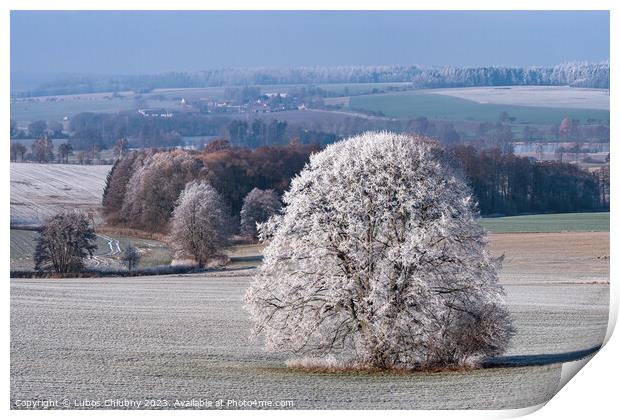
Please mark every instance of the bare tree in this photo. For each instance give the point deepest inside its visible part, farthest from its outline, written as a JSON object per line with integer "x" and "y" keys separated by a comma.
{"x": 43, "y": 150}
{"x": 258, "y": 207}
{"x": 379, "y": 259}
{"x": 65, "y": 240}
{"x": 120, "y": 148}
{"x": 131, "y": 256}
{"x": 200, "y": 223}
{"x": 64, "y": 151}
{"x": 17, "y": 150}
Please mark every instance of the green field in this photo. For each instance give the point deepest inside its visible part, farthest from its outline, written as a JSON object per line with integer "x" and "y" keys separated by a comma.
{"x": 567, "y": 222}
{"x": 22, "y": 243}
{"x": 411, "y": 104}
{"x": 24, "y": 111}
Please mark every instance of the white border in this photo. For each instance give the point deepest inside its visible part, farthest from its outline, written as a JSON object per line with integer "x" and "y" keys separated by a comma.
{"x": 592, "y": 393}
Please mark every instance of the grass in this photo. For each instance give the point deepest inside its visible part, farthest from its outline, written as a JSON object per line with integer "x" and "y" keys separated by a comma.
{"x": 413, "y": 104}
{"x": 153, "y": 253}
{"x": 38, "y": 109}
{"x": 566, "y": 222}
{"x": 22, "y": 243}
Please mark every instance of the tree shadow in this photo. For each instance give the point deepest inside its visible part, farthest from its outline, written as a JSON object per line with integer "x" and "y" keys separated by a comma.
{"x": 538, "y": 359}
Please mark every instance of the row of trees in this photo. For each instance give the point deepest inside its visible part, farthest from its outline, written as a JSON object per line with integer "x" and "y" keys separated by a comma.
{"x": 142, "y": 188}
{"x": 93, "y": 132}
{"x": 505, "y": 184}
{"x": 38, "y": 129}
{"x": 575, "y": 74}
{"x": 41, "y": 151}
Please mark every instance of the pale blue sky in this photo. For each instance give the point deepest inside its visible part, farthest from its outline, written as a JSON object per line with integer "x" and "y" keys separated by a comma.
{"x": 151, "y": 42}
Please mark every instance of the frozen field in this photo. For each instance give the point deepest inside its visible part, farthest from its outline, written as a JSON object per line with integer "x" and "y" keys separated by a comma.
{"x": 41, "y": 190}
{"x": 541, "y": 96}
{"x": 183, "y": 337}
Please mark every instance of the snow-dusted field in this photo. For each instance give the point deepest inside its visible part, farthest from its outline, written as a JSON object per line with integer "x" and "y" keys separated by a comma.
{"x": 542, "y": 96}
{"x": 41, "y": 190}
{"x": 186, "y": 336}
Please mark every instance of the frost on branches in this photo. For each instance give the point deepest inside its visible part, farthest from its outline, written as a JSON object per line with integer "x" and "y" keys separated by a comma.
{"x": 200, "y": 223}
{"x": 378, "y": 260}
{"x": 258, "y": 207}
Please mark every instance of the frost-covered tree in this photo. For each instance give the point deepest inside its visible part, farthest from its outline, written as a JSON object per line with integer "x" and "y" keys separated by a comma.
{"x": 64, "y": 241}
{"x": 154, "y": 186}
{"x": 379, "y": 260}
{"x": 200, "y": 223}
{"x": 258, "y": 207}
{"x": 131, "y": 256}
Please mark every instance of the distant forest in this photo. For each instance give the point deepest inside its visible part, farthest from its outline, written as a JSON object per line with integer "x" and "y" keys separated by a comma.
{"x": 572, "y": 74}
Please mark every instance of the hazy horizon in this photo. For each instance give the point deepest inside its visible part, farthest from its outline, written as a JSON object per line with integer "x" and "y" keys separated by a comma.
{"x": 151, "y": 42}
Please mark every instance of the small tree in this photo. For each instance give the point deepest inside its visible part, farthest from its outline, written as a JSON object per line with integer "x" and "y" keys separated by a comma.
{"x": 17, "y": 150}
{"x": 120, "y": 148}
{"x": 43, "y": 150}
{"x": 200, "y": 223}
{"x": 64, "y": 151}
{"x": 37, "y": 129}
{"x": 131, "y": 256}
{"x": 258, "y": 207}
{"x": 65, "y": 240}
{"x": 378, "y": 259}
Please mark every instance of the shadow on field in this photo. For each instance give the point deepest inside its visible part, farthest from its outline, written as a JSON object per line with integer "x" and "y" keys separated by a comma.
{"x": 251, "y": 258}
{"x": 539, "y": 359}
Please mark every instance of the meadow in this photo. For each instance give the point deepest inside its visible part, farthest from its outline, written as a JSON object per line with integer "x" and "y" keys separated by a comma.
{"x": 538, "y": 96}
{"x": 426, "y": 103}
{"x": 568, "y": 222}
{"x": 187, "y": 336}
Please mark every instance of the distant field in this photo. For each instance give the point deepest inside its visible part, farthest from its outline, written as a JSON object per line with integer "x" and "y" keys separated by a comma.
{"x": 41, "y": 190}
{"x": 568, "y": 222}
{"x": 425, "y": 103}
{"x": 55, "y": 108}
{"x": 539, "y": 96}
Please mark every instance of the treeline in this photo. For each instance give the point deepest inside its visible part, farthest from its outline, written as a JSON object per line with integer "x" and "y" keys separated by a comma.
{"x": 99, "y": 131}
{"x": 102, "y": 131}
{"x": 574, "y": 74}
{"x": 142, "y": 188}
{"x": 505, "y": 184}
